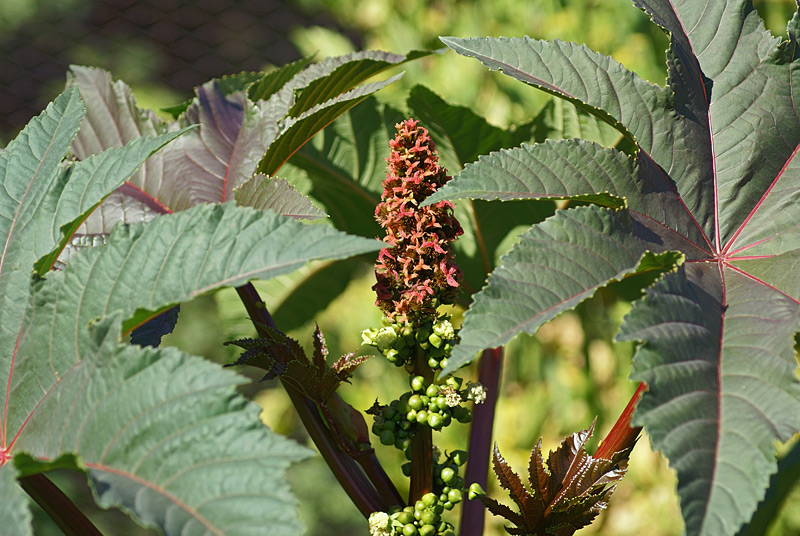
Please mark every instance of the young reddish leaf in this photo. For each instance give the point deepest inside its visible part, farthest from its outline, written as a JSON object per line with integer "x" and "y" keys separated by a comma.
{"x": 510, "y": 481}
{"x": 566, "y": 494}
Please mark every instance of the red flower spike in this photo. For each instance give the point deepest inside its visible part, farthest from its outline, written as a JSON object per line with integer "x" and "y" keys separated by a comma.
{"x": 418, "y": 269}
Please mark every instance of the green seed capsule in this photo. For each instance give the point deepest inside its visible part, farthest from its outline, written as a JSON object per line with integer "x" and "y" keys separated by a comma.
{"x": 443, "y": 363}
{"x": 422, "y": 416}
{"x": 406, "y": 517}
{"x": 435, "y": 420}
{"x": 435, "y": 340}
{"x": 410, "y": 530}
{"x": 429, "y": 499}
{"x": 406, "y": 468}
{"x": 433, "y": 363}
{"x": 448, "y": 474}
{"x": 428, "y": 518}
{"x": 454, "y": 496}
{"x": 447, "y": 419}
{"x": 454, "y": 382}
{"x": 416, "y": 402}
{"x": 417, "y": 383}
{"x": 411, "y": 415}
{"x": 448, "y": 505}
{"x": 419, "y": 507}
{"x": 475, "y": 489}
{"x": 387, "y": 437}
{"x": 392, "y": 355}
{"x": 427, "y": 530}
{"x": 432, "y": 390}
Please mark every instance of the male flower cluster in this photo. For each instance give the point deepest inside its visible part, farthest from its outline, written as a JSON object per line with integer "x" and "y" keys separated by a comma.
{"x": 418, "y": 272}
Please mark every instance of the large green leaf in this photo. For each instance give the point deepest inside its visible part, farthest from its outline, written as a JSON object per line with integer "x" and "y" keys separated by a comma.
{"x": 32, "y": 179}
{"x": 286, "y": 108}
{"x": 162, "y": 434}
{"x": 15, "y": 518}
{"x": 715, "y": 179}
{"x": 92, "y": 180}
{"x": 165, "y": 436}
{"x": 554, "y": 266}
{"x": 62, "y": 371}
{"x": 726, "y": 378}
{"x": 596, "y": 83}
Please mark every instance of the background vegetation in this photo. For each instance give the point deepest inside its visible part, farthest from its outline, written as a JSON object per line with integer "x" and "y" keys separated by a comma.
{"x": 553, "y": 384}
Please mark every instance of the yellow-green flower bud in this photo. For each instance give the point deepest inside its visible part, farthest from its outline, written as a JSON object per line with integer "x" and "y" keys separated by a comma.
{"x": 385, "y": 338}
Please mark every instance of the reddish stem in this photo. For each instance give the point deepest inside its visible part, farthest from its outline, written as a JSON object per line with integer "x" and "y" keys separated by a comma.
{"x": 58, "y": 506}
{"x": 480, "y": 440}
{"x": 377, "y": 475}
{"x": 622, "y": 434}
{"x": 349, "y": 475}
{"x": 421, "y": 444}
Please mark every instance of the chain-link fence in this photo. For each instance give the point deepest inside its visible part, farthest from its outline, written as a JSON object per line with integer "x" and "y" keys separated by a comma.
{"x": 164, "y": 45}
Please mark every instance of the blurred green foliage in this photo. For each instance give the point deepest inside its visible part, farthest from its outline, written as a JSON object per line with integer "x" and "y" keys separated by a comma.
{"x": 553, "y": 384}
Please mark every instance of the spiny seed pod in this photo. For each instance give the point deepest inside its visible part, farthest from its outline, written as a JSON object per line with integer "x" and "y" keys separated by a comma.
{"x": 418, "y": 272}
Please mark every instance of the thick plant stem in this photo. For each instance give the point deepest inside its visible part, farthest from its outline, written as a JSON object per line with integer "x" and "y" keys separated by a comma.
{"x": 377, "y": 475}
{"x": 347, "y": 472}
{"x": 421, "y": 444}
{"x": 480, "y": 440}
{"x": 622, "y": 434}
{"x": 344, "y": 468}
{"x": 69, "y": 518}
{"x": 421, "y": 464}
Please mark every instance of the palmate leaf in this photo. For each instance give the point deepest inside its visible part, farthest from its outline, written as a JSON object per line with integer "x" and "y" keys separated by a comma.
{"x": 43, "y": 199}
{"x": 111, "y": 400}
{"x": 565, "y": 494}
{"x": 286, "y": 108}
{"x": 715, "y": 179}
{"x": 164, "y": 435}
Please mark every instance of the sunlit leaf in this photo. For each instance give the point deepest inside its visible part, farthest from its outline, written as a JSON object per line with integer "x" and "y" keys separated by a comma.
{"x": 714, "y": 179}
